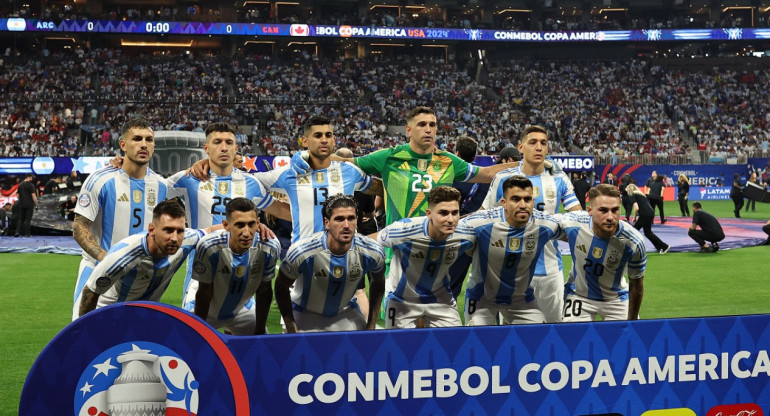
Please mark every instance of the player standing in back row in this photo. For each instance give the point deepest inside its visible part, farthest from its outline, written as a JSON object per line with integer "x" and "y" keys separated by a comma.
{"x": 549, "y": 190}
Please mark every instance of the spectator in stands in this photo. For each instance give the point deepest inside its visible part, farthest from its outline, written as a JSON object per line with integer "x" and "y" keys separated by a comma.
{"x": 710, "y": 230}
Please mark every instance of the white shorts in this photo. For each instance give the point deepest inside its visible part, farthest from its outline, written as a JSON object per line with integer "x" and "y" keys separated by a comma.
{"x": 349, "y": 319}
{"x": 434, "y": 315}
{"x": 243, "y": 323}
{"x": 84, "y": 272}
{"x": 549, "y": 293}
{"x": 581, "y": 309}
{"x": 484, "y": 312}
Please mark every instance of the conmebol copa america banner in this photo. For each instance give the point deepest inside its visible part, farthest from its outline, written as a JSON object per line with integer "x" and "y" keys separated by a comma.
{"x": 154, "y": 359}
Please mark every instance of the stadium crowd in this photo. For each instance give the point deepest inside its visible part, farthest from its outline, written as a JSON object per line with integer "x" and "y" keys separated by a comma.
{"x": 614, "y": 110}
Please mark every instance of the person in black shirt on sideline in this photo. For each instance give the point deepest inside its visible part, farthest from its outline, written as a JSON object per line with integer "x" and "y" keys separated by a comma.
{"x": 27, "y": 204}
{"x": 644, "y": 215}
{"x": 736, "y": 194}
{"x": 581, "y": 186}
{"x": 683, "y": 192}
{"x": 655, "y": 196}
{"x": 628, "y": 204}
{"x": 710, "y": 230}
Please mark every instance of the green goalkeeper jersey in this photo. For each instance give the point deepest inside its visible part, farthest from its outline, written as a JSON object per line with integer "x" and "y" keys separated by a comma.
{"x": 409, "y": 176}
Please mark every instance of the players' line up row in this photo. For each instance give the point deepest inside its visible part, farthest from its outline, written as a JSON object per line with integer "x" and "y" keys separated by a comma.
{"x": 118, "y": 202}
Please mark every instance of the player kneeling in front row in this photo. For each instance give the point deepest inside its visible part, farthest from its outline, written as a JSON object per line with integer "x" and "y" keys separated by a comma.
{"x": 233, "y": 268}
{"x": 603, "y": 249}
{"x": 140, "y": 267}
{"x": 423, "y": 250}
{"x": 509, "y": 240}
{"x": 326, "y": 269}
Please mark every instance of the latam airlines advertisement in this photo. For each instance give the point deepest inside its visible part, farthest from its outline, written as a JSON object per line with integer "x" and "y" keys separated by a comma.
{"x": 345, "y": 31}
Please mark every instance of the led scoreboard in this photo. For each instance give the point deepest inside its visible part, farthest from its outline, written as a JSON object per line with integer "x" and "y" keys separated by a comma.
{"x": 345, "y": 31}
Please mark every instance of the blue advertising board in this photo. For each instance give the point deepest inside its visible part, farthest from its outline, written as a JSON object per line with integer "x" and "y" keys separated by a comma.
{"x": 700, "y": 175}
{"x": 151, "y": 356}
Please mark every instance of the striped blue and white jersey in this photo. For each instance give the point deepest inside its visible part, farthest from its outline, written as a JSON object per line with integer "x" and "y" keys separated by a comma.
{"x": 418, "y": 270}
{"x": 308, "y": 192}
{"x": 118, "y": 205}
{"x": 206, "y": 200}
{"x": 599, "y": 265}
{"x": 505, "y": 257}
{"x": 549, "y": 190}
{"x": 129, "y": 272}
{"x": 325, "y": 283}
{"x": 234, "y": 277}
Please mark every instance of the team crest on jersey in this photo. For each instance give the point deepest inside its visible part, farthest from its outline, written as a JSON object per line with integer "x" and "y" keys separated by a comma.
{"x": 530, "y": 245}
{"x": 514, "y": 243}
{"x": 137, "y": 378}
{"x": 437, "y": 166}
{"x": 84, "y": 200}
{"x": 223, "y": 187}
{"x": 384, "y": 235}
{"x": 355, "y": 274}
{"x": 550, "y": 193}
{"x": 422, "y": 164}
{"x": 137, "y": 196}
{"x": 334, "y": 176}
{"x": 597, "y": 252}
{"x": 319, "y": 177}
{"x": 535, "y": 191}
{"x": 199, "y": 267}
{"x": 434, "y": 255}
{"x": 240, "y": 271}
{"x": 450, "y": 256}
{"x": 151, "y": 199}
{"x": 612, "y": 258}
{"x": 338, "y": 271}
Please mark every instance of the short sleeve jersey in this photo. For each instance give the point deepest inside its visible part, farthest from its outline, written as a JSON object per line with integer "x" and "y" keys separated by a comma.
{"x": 599, "y": 265}
{"x": 505, "y": 257}
{"x": 418, "y": 271}
{"x": 119, "y": 205}
{"x": 409, "y": 176}
{"x": 308, "y": 192}
{"x": 206, "y": 200}
{"x": 129, "y": 272}
{"x": 325, "y": 283}
{"x": 549, "y": 190}
{"x": 234, "y": 277}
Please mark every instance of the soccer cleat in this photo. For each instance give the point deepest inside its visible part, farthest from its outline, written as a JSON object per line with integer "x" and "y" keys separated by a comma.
{"x": 665, "y": 250}
{"x": 714, "y": 247}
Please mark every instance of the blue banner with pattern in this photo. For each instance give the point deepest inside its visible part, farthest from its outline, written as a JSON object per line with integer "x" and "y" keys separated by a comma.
{"x": 151, "y": 356}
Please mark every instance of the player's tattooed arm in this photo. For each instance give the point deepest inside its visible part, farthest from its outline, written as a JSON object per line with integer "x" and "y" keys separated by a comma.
{"x": 88, "y": 301}
{"x": 84, "y": 237}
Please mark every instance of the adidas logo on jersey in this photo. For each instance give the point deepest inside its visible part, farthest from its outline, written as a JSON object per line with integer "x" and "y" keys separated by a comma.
{"x": 207, "y": 187}
{"x": 419, "y": 255}
{"x": 322, "y": 274}
{"x": 404, "y": 166}
{"x": 498, "y": 243}
{"x": 123, "y": 198}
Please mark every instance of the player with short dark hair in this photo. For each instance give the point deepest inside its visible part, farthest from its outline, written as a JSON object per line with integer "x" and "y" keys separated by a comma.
{"x": 604, "y": 249}
{"x": 140, "y": 266}
{"x": 326, "y": 269}
{"x": 551, "y": 188}
{"x": 115, "y": 203}
{"x": 423, "y": 250}
{"x": 234, "y": 267}
{"x": 509, "y": 239}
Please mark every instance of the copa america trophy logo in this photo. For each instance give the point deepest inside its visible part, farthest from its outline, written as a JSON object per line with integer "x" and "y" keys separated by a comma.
{"x": 152, "y": 380}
